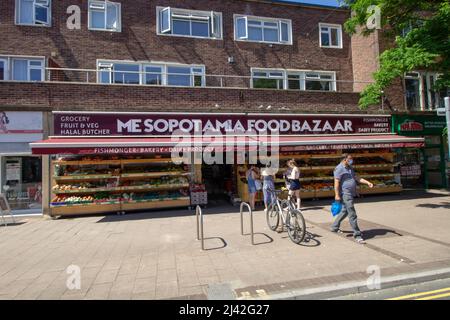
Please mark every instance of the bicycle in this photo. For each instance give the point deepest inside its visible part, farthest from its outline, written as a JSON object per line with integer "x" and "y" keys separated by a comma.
{"x": 291, "y": 217}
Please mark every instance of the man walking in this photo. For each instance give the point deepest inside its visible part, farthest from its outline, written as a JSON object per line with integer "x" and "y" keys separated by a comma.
{"x": 345, "y": 181}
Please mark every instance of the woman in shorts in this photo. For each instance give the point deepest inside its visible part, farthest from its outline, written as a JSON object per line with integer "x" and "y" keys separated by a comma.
{"x": 251, "y": 176}
{"x": 294, "y": 181}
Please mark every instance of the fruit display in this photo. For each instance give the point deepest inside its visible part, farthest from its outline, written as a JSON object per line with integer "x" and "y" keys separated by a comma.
{"x": 105, "y": 181}
{"x": 317, "y": 167}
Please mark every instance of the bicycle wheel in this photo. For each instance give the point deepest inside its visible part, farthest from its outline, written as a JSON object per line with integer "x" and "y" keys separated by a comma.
{"x": 273, "y": 216}
{"x": 296, "y": 226}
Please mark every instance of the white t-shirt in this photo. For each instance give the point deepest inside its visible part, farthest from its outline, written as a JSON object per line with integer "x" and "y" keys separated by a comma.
{"x": 295, "y": 174}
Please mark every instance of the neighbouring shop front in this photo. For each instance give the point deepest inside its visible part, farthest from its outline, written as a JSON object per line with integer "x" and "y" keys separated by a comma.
{"x": 422, "y": 167}
{"x": 116, "y": 162}
{"x": 20, "y": 171}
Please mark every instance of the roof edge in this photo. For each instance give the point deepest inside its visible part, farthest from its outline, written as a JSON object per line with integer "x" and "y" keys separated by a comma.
{"x": 300, "y": 4}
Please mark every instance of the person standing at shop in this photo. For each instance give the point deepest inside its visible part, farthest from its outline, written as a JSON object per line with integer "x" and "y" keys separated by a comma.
{"x": 268, "y": 177}
{"x": 345, "y": 181}
{"x": 294, "y": 181}
{"x": 252, "y": 176}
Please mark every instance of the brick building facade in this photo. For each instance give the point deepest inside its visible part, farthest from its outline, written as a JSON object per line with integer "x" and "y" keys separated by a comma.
{"x": 139, "y": 41}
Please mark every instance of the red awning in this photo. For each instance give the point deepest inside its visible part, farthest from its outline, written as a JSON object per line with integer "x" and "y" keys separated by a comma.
{"x": 116, "y": 145}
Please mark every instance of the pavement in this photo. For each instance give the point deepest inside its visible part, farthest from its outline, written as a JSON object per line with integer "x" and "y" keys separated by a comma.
{"x": 155, "y": 255}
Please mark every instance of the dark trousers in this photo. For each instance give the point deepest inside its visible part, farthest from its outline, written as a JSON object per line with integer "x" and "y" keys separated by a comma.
{"x": 348, "y": 209}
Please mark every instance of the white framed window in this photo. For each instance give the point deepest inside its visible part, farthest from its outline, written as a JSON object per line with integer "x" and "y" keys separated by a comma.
{"x": 33, "y": 12}
{"x": 320, "y": 81}
{"x": 420, "y": 94}
{"x": 153, "y": 74}
{"x": 330, "y": 35}
{"x": 264, "y": 30}
{"x": 268, "y": 78}
{"x": 293, "y": 79}
{"x": 150, "y": 73}
{"x": 18, "y": 68}
{"x": 104, "y": 16}
{"x": 3, "y": 69}
{"x": 188, "y": 23}
{"x": 27, "y": 69}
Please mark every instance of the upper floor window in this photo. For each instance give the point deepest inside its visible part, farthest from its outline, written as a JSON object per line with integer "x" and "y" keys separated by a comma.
{"x": 3, "y": 69}
{"x": 104, "y": 16}
{"x": 294, "y": 79}
{"x": 189, "y": 23}
{"x": 22, "y": 69}
{"x": 420, "y": 92}
{"x": 268, "y": 79}
{"x": 330, "y": 35}
{"x": 151, "y": 73}
{"x": 257, "y": 29}
{"x": 320, "y": 81}
{"x": 33, "y": 12}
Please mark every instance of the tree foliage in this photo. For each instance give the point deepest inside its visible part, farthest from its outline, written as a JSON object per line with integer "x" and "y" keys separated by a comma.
{"x": 426, "y": 46}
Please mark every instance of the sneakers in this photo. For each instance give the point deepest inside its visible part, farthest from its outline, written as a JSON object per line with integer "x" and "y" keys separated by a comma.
{"x": 360, "y": 240}
{"x": 338, "y": 231}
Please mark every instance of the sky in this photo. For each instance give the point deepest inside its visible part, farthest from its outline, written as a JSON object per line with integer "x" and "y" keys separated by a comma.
{"x": 322, "y": 2}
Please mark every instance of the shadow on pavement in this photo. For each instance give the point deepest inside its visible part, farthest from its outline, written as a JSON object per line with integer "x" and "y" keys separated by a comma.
{"x": 373, "y": 233}
{"x": 12, "y": 224}
{"x": 216, "y": 248}
{"x": 404, "y": 195}
{"x": 316, "y": 205}
{"x": 445, "y": 205}
{"x": 165, "y": 213}
{"x": 311, "y": 240}
{"x": 263, "y": 234}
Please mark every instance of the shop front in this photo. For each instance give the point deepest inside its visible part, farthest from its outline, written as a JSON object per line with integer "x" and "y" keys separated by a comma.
{"x": 20, "y": 171}
{"x": 423, "y": 167}
{"x": 118, "y": 162}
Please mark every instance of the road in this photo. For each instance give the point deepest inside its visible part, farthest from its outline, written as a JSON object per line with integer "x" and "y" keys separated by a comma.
{"x": 432, "y": 290}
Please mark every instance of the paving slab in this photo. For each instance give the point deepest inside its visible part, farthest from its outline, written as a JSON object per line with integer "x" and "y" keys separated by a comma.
{"x": 155, "y": 255}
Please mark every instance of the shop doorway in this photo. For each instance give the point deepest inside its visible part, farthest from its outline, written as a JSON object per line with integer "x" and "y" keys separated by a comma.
{"x": 21, "y": 182}
{"x": 435, "y": 162}
{"x": 218, "y": 180}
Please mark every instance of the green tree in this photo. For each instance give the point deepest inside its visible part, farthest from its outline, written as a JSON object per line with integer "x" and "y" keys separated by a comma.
{"x": 425, "y": 46}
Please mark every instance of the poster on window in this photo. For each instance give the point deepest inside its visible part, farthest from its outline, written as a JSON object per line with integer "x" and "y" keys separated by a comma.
{"x": 411, "y": 170}
{"x": 13, "y": 171}
{"x": 16, "y": 126}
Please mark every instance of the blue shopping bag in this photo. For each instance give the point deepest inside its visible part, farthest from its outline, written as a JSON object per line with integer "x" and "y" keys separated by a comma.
{"x": 336, "y": 208}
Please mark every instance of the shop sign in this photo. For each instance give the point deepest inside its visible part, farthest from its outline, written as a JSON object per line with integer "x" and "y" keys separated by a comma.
{"x": 354, "y": 146}
{"x": 411, "y": 126}
{"x": 142, "y": 150}
{"x": 418, "y": 125}
{"x": 16, "y": 126}
{"x": 148, "y": 124}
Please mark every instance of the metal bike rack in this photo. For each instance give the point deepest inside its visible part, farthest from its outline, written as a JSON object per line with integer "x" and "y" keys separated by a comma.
{"x": 199, "y": 213}
{"x": 245, "y": 204}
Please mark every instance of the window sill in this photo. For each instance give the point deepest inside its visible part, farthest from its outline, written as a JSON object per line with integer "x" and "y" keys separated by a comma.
{"x": 33, "y": 25}
{"x": 105, "y": 30}
{"x": 331, "y": 47}
{"x": 264, "y": 42}
{"x": 184, "y": 36}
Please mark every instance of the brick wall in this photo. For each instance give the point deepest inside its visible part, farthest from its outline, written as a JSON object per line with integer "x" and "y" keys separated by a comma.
{"x": 97, "y": 97}
{"x": 365, "y": 53}
{"x": 139, "y": 41}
